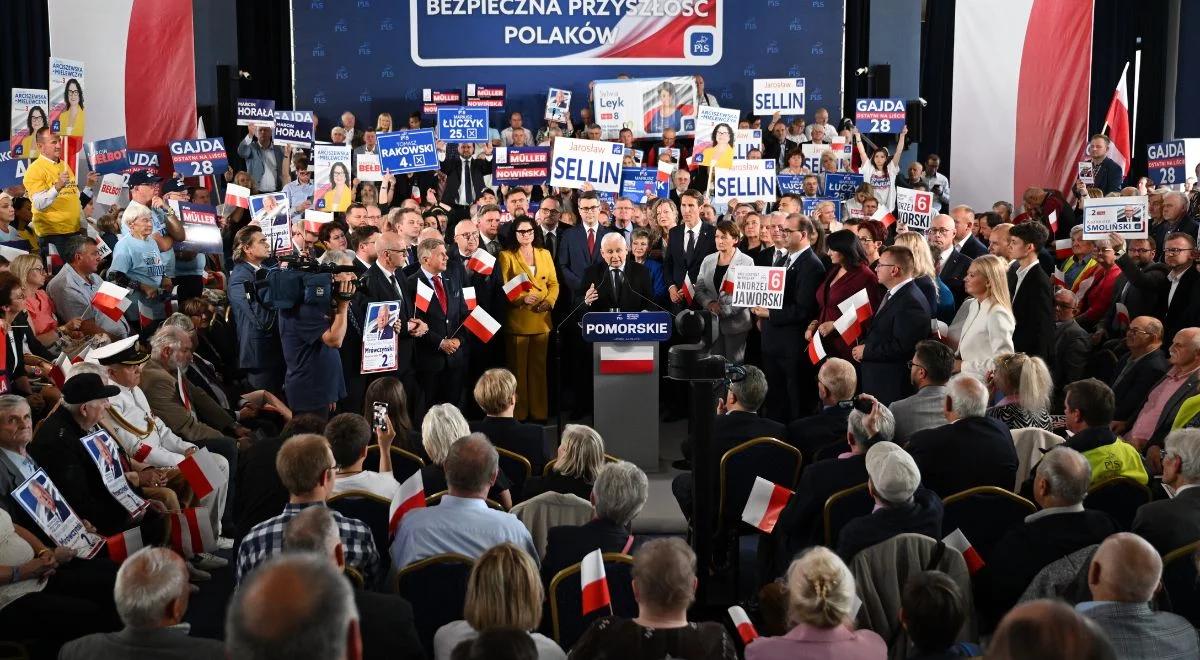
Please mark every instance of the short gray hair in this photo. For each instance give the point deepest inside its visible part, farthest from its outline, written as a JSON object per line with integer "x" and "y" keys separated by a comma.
{"x": 168, "y": 336}
{"x": 1183, "y": 198}
{"x": 471, "y": 463}
{"x": 1068, "y": 473}
{"x": 147, "y": 583}
{"x": 611, "y": 237}
{"x": 135, "y": 211}
{"x": 312, "y": 530}
{"x": 337, "y": 257}
{"x": 751, "y": 390}
{"x": 856, "y": 423}
{"x": 1185, "y": 443}
{"x": 838, "y": 376}
{"x": 181, "y": 321}
{"x": 292, "y": 606}
{"x": 620, "y": 492}
{"x": 968, "y": 397}
{"x": 443, "y": 424}
{"x": 10, "y": 402}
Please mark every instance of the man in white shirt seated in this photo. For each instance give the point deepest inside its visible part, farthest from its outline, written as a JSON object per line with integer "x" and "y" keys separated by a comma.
{"x": 348, "y": 435}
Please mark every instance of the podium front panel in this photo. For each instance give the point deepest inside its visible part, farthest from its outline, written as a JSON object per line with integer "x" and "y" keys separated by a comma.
{"x": 625, "y": 389}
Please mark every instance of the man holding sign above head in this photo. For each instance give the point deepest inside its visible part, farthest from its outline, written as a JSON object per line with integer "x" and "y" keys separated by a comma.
{"x": 265, "y": 161}
{"x": 464, "y": 176}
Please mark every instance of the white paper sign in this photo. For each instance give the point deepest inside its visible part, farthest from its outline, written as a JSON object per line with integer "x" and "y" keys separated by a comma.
{"x": 368, "y": 167}
{"x": 578, "y": 162}
{"x": 745, "y": 181}
{"x": 759, "y": 286}
{"x": 1127, "y": 217}
{"x": 379, "y": 337}
{"x": 1087, "y": 173}
{"x": 783, "y": 95}
{"x": 914, "y": 208}
{"x": 746, "y": 139}
{"x": 110, "y": 188}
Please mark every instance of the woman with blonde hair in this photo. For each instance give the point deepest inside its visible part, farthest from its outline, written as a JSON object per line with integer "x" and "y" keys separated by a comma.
{"x": 821, "y": 611}
{"x": 941, "y": 301}
{"x": 983, "y": 326}
{"x": 39, "y": 308}
{"x": 443, "y": 426}
{"x": 504, "y": 591}
{"x": 580, "y": 457}
{"x": 383, "y": 122}
{"x": 1026, "y": 384}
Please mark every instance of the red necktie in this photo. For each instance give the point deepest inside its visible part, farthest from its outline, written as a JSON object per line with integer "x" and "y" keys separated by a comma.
{"x": 591, "y": 242}
{"x": 441, "y": 293}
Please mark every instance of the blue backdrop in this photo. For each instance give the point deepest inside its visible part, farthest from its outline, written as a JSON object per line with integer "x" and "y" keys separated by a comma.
{"x": 359, "y": 55}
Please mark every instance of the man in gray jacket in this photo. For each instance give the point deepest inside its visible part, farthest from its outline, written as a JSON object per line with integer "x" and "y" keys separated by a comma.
{"x": 930, "y": 368}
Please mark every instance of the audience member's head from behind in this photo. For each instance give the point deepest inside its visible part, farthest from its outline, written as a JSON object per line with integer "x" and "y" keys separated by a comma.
{"x": 1062, "y": 478}
{"x": 497, "y": 644}
{"x": 390, "y": 390}
{"x": 1024, "y": 379}
{"x": 664, "y": 581}
{"x": 1181, "y": 458}
{"x": 471, "y": 466}
{"x": 496, "y": 392}
{"x": 620, "y": 493}
{"x": 892, "y": 474}
{"x": 932, "y": 364}
{"x": 302, "y": 424}
{"x": 748, "y": 393}
{"x": 504, "y": 590}
{"x": 1048, "y": 630}
{"x": 348, "y": 435}
{"x": 864, "y": 429}
{"x": 152, "y": 589}
{"x": 293, "y": 606}
{"x": 580, "y": 453}
{"x": 1088, "y": 403}
{"x": 933, "y": 611}
{"x": 836, "y": 381}
{"x": 965, "y": 397}
{"x": 314, "y": 530}
{"x": 1125, "y": 569}
{"x": 443, "y": 424}
{"x": 820, "y": 590}
{"x": 306, "y": 467}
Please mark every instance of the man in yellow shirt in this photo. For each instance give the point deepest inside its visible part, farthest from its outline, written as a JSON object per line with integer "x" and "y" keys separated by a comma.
{"x": 50, "y": 184}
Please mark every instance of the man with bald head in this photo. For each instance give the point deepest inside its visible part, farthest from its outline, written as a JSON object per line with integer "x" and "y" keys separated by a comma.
{"x": 1048, "y": 630}
{"x": 1123, "y": 577}
{"x": 618, "y": 283}
{"x": 964, "y": 238}
{"x": 950, "y": 264}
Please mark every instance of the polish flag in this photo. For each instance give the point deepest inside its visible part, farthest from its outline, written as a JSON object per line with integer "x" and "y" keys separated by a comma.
{"x": 727, "y": 283}
{"x": 142, "y": 451}
{"x": 53, "y": 258}
{"x": 860, "y": 303}
{"x": 885, "y": 216}
{"x": 958, "y": 541}
{"x": 424, "y": 295}
{"x": 1059, "y": 278}
{"x": 410, "y": 495}
{"x": 313, "y": 220}
{"x": 191, "y": 532}
{"x": 469, "y": 296}
{"x": 855, "y": 310}
{"x": 741, "y": 621}
{"x": 764, "y": 505}
{"x": 594, "y": 583}
{"x": 124, "y": 544}
{"x": 816, "y": 350}
{"x": 111, "y": 300}
{"x": 517, "y": 287}
{"x": 202, "y": 473}
{"x": 1083, "y": 284}
{"x": 481, "y": 324}
{"x": 1117, "y": 121}
{"x": 1062, "y": 248}
{"x": 626, "y": 359}
{"x": 60, "y": 371}
{"x": 482, "y": 262}
{"x": 1122, "y": 315}
{"x": 238, "y": 196}
{"x": 689, "y": 291}
{"x": 1053, "y": 220}
{"x": 848, "y": 327}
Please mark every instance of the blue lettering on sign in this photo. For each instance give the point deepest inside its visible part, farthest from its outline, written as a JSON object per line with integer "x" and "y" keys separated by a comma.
{"x": 738, "y": 186}
{"x": 626, "y": 326}
{"x": 590, "y": 171}
{"x": 462, "y": 124}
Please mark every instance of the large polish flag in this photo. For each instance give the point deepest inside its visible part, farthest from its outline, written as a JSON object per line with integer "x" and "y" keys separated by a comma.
{"x": 1020, "y": 108}
{"x": 141, "y": 76}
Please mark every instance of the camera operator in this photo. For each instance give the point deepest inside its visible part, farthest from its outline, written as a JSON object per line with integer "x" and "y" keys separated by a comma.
{"x": 259, "y": 352}
{"x": 311, "y": 335}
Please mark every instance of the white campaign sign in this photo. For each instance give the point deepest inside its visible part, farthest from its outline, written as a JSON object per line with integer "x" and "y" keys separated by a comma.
{"x": 646, "y": 106}
{"x": 914, "y": 208}
{"x": 759, "y": 286}
{"x": 745, "y": 181}
{"x": 708, "y": 117}
{"x": 783, "y": 95}
{"x": 1124, "y": 216}
{"x": 578, "y": 162}
{"x": 745, "y": 139}
{"x": 368, "y": 167}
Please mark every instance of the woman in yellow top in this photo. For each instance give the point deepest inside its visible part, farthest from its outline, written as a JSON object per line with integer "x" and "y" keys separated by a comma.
{"x": 34, "y": 121}
{"x": 73, "y": 119}
{"x": 337, "y": 199}
{"x": 721, "y": 153}
{"x": 528, "y": 325}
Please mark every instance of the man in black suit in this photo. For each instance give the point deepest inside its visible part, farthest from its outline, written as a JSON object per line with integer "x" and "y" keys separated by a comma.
{"x": 902, "y": 505}
{"x": 496, "y": 394}
{"x": 362, "y": 242}
{"x": 489, "y": 294}
{"x": 836, "y": 382}
{"x": 789, "y": 372}
{"x": 964, "y": 239}
{"x": 902, "y": 320}
{"x": 1175, "y": 522}
{"x": 1137, "y": 372}
{"x": 1180, "y": 302}
{"x": 1139, "y": 287}
{"x": 461, "y": 191}
{"x": 618, "y": 284}
{"x": 1030, "y": 290}
{"x": 440, "y": 356}
{"x": 618, "y": 496}
{"x": 972, "y": 450}
{"x": 774, "y": 250}
{"x": 950, "y": 264}
{"x": 690, "y": 241}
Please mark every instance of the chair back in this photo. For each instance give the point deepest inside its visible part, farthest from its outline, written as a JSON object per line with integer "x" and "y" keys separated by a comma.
{"x": 771, "y": 459}
{"x": 608, "y": 458}
{"x": 832, "y": 450}
{"x": 369, "y": 509}
{"x": 516, "y": 467}
{"x": 844, "y": 506}
{"x": 437, "y": 588}
{"x": 551, "y": 509}
{"x": 404, "y": 462}
{"x": 436, "y": 498}
{"x": 566, "y": 598}
{"x": 984, "y": 514}
{"x": 1030, "y": 445}
{"x": 1179, "y": 579}
{"x": 1119, "y": 497}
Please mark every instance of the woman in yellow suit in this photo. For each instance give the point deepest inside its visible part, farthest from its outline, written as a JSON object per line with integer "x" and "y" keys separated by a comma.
{"x": 528, "y": 326}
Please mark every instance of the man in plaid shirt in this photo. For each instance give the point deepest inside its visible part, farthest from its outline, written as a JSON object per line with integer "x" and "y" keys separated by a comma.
{"x": 307, "y": 468}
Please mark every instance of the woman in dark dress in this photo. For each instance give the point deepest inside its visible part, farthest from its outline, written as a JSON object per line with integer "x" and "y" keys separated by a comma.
{"x": 580, "y": 457}
{"x": 850, "y": 275}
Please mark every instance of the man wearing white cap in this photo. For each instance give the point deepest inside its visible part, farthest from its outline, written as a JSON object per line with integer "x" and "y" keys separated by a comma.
{"x": 901, "y": 504}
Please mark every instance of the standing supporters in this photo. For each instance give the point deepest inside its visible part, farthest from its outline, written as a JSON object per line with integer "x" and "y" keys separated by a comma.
{"x": 50, "y": 184}
{"x": 687, "y": 245}
{"x": 850, "y": 274}
{"x": 1029, "y": 287}
{"x": 936, "y": 292}
{"x": 880, "y": 171}
{"x": 311, "y": 335}
{"x": 901, "y": 321}
{"x": 714, "y": 295}
{"x": 528, "y": 321}
{"x": 440, "y": 359}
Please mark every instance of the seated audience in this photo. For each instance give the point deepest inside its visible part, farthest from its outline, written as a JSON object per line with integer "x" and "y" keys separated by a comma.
{"x": 348, "y": 435}
{"x": 901, "y": 505}
{"x": 496, "y": 394}
{"x": 1088, "y": 406}
{"x": 73, "y": 288}
{"x": 580, "y": 458}
{"x": 664, "y": 585}
{"x": 929, "y": 369}
{"x": 836, "y": 383}
{"x": 497, "y": 644}
{"x": 1168, "y": 394}
{"x": 391, "y": 391}
{"x": 1048, "y": 630}
{"x": 1138, "y": 370}
{"x": 462, "y": 522}
{"x": 1025, "y": 382}
{"x": 933, "y": 613}
{"x": 1068, "y": 357}
{"x": 442, "y": 426}
{"x": 1174, "y": 522}
{"x": 260, "y": 491}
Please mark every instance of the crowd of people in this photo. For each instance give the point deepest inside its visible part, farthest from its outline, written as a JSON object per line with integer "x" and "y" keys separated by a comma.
{"x": 983, "y": 355}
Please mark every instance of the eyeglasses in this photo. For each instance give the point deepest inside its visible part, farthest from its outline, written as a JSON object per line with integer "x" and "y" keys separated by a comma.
{"x": 941, "y": 230}
{"x": 1139, "y": 250}
{"x": 589, "y": 209}
{"x": 912, "y": 364}
{"x": 471, "y": 236}
{"x": 878, "y": 264}
{"x": 523, "y": 231}
{"x": 1176, "y": 250}
{"x": 785, "y": 231}
{"x": 1063, "y": 305}
{"x": 1139, "y": 331}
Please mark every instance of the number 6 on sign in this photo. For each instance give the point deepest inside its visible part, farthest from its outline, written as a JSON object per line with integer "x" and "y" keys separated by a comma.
{"x": 775, "y": 279}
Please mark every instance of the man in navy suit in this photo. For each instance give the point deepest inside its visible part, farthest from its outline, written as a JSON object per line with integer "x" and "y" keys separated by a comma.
{"x": 440, "y": 355}
{"x": 902, "y": 320}
{"x": 950, "y": 264}
{"x": 964, "y": 239}
{"x": 461, "y": 191}
{"x": 578, "y": 250}
{"x": 792, "y": 391}
{"x": 689, "y": 243}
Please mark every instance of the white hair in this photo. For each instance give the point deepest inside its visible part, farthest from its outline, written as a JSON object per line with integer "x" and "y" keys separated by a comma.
{"x": 168, "y": 336}
{"x": 968, "y": 396}
{"x": 1185, "y": 443}
{"x": 620, "y": 492}
{"x": 147, "y": 583}
{"x": 337, "y": 257}
{"x": 611, "y": 237}
{"x": 443, "y": 424}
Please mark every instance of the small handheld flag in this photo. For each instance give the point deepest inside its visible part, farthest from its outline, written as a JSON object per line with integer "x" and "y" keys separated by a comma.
{"x": 594, "y": 583}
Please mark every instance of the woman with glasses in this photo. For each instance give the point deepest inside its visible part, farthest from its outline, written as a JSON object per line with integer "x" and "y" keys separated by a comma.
{"x": 1095, "y": 293}
{"x": 984, "y": 325}
{"x": 39, "y": 308}
{"x": 528, "y": 324}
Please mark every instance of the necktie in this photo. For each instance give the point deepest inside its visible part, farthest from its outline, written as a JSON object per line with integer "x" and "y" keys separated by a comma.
{"x": 886, "y": 297}
{"x": 441, "y": 293}
{"x": 396, "y": 283}
{"x": 937, "y": 263}
{"x": 468, "y": 191}
{"x": 616, "y": 281}
{"x": 550, "y": 244}
{"x": 780, "y": 257}
{"x": 493, "y": 248}
{"x": 591, "y": 242}
{"x": 690, "y": 246}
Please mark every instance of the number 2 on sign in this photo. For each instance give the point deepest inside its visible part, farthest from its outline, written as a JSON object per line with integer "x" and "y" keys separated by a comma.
{"x": 201, "y": 168}
{"x": 881, "y": 126}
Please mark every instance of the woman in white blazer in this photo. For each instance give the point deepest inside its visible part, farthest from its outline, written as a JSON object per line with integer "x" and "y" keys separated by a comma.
{"x": 714, "y": 292}
{"x": 983, "y": 326}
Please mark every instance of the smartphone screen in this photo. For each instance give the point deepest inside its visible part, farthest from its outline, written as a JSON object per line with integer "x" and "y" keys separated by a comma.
{"x": 381, "y": 411}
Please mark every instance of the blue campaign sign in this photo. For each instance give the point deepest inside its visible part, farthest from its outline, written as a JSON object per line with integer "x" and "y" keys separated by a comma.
{"x": 260, "y": 112}
{"x": 637, "y": 183}
{"x": 294, "y": 128}
{"x": 144, "y": 160}
{"x": 402, "y": 152}
{"x": 12, "y": 170}
{"x": 1165, "y": 163}
{"x": 879, "y": 115}
{"x": 809, "y": 205}
{"x": 202, "y": 157}
{"x": 462, "y": 124}
{"x": 108, "y": 156}
{"x": 791, "y": 184}
{"x": 839, "y": 184}
{"x": 626, "y": 326}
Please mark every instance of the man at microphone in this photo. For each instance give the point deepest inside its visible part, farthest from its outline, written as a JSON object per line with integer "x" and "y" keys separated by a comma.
{"x": 617, "y": 284}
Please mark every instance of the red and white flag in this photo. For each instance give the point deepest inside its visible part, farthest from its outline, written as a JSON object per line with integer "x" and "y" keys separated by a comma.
{"x": 10, "y": 253}
{"x": 1053, "y": 220}
{"x": 741, "y": 621}
{"x": 855, "y": 310}
{"x": 202, "y": 473}
{"x": 124, "y": 544}
{"x": 191, "y": 532}
{"x": 594, "y": 582}
{"x": 410, "y": 495}
{"x": 958, "y": 541}
{"x": 727, "y": 283}
{"x": 482, "y": 262}
{"x": 848, "y": 326}
{"x": 1122, "y": 315}
{"x": 1083, "y": 283}
{"x": 53, "y": 258}
{"x": 1058, "y": 278}
{"x": 111, "y": 300}
{"x": 238, "y": 196}
{"x": 626, "y": 359}
{"x": 469, "y": 297}
{"x": 313, "y": 220}
{"x": 885, "y": 216}
{"x": 1062, "y": 248}
{"x": 816, "y": 350}
{"x": 423, "y": 296}
{"x": 764, "y": 505}
{"x": 481, "y": 324}
{"x": 60, "y": 371}
{"x": 142, "y": 451}
{"x": 689, "y": 291}
{"x": 1117, "y": 121}
{"x": 518, "y": 286}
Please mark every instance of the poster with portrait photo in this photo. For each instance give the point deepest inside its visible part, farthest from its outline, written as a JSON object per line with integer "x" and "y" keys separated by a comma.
{"x": 103, "y": 450}
{"x": 646, "y": 106}
{"x": 1127, "y": 217}
{"x": 379, "y": 337}
{"x": 272, "y": 213}
{"x": 28, "y": 114}
{"x": 332, "y": 178}
{"x": 558, "y": 105}
{"x": 41, "y": 500}
{"x": 66, "y": 103}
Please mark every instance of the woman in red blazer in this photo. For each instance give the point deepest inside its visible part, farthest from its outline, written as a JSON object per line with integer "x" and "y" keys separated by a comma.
{"x": 850, "y": 274}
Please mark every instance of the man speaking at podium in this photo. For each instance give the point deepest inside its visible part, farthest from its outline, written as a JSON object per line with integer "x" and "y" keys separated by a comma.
{"x": 617, "y": 284}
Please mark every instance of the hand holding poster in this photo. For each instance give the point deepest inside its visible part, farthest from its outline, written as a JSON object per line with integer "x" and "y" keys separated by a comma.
{"x": 638, "y": 184}
{"x": 67, "y": 116}
{"x": 403, "y": 152}
{"x": 271, "y": 213}
{"x": 879, "y": 115}
{"x": 1127, "y": 217}
{"x": 42, "y": 501}
{"x": 331, "y": 176}
{"x": 462, "y": 124}
{"x": 646, "y": 106}
{"x": 841, "y": 185}
{"x": 914, "y": 208}
{"x": 107, "y": 156}
{"x": 294, "y": 128}
{"x": 1166, "y": 164}
{"x": 28, "y": 115}
{"x": 558, "y": 105}
{"x": 432, "y": 99}
{"x": 103, "y": 450}
{"x": 368, "y": 167}
{"x": 202, "y": 157}
{"x": 708, "y": 118}
{"x": 578, "y": 162}
{"x": 259, "y": 112}
{"x": 782, "y": 95}
{"x": 379, "y": 337}
{"x": 1087, "y": 173}
{"x": 759, "y": 286}
{"x": 745, "y": 181}
{"x": 201, "y": 232}
{"x": 110, "y": 188}
{"x": 521, "y": 166}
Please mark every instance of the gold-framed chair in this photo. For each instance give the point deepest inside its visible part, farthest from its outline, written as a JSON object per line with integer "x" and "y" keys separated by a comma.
{"x": 844, "y": 506}
{"x": 984, "y": 514}
{"x": 436, "y": 498}
{"x": 437, "y": 588}
{"x": 568, "y": 622}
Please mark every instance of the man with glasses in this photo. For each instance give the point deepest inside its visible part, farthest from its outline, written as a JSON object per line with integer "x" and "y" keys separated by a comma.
{"x": 929, "y": 369}
{"x": 1069, "y": 350}
{"x": 950, "y": 264}
{"x": 1029, "y": 287}
{"x": 1139, "y": 288}
{"x": 1139, "y": 370}
{"x": 362, "y": 241}
{"x": 1174, "y": 522}
{"x": 1179, "y": 292}
{"x": 902, "y": 320}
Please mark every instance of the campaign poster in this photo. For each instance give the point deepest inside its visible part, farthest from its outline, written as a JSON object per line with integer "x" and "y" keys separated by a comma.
{"x": 294, "y": 128}
{"x": 42, "y": 501}
{"x": 782, "y": 95}
{"x": 260, "y": 112}
{"x": 914, "y": 208}
{"x": 271, "y": 212}
{"x": 558, "y": 105}
{"x": 1166, "y": 164}
{"x": 642, "y": 183}
{"x": 758, "y": 286}
{"x": 107, "y": 156}
{"x": 745, "y": 181}
{"x": 432, "y": 99}
{"x": 486, "y": 96}
{"x": 521, "y": 166}
{"x": 462, "y": 124}
{"x": 201, "y": 232}
{"x": 812, "y": 155}
{"x": 111, "y": 186}
{"x": 331, "y": 176}
{"x": 143, "y": 161}
{"x": 402, "y": 152}
{"x": 12, "y": 170}
{"x": 28, "y": 115}
{"x": 1127, "y": 217}
{"x": 368, "y": 168}
{"x": 879, "y": 115}
{"x": 202, "y": 157}
{"x": 379, "y": 337}
{"x": 808, "y": 206}
{"x": 103, "y": 450}
{"x": 67, "y": 105}
{"x": 1087, "y": 173}
{"x": 840, "y": 184}
{"x": 708, "y": 118}
{"x": 746, "y": 140}
{"x": 668, "y": 158}
{"x": 646, "y": 106}
{"x": 578, "y": 162}
{"x": 791, "y": 184}
{"x": 633, "y": 157}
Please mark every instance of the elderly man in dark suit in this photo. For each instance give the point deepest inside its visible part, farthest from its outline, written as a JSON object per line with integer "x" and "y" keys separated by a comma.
{"x": 1138, "y": 371}
{"x": 1173, "y": 523}
{"x": 440, "y": 355}
{"x": 826, "y": 430}
{"x": 1030, "y": 290}
{"x": 1168, "y": 394}
{"x": 617, "y": 284}
{"x": 902, "y": 320}
{"x": 950, "y": 264}
{"x": 1070, "y": 346}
